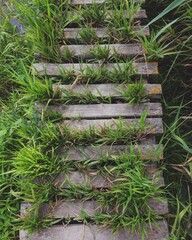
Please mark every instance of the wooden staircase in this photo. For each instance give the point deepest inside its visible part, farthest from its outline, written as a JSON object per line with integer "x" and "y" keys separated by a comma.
{"x": 101, "y": 115}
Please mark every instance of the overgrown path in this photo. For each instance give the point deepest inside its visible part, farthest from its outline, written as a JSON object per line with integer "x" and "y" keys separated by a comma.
{"x": 109, "y": 114}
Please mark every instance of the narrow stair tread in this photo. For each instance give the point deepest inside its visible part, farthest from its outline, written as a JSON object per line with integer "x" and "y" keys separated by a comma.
{"x": 55, "y": 69}
{"x": 84, "y": 51}
{"x": 104, "y": 111}
{"x": 157, "y": 231}
{"x": 108, "y": 90}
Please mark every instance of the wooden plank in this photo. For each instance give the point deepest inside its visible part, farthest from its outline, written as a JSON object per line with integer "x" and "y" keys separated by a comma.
{"x": 84, "y": 51}
{"x": 73, "y": 209}
{"x": 96, "y": 180}
{"x": 104, "y": 111}
{"x": 78, "y": 153}
{"x": 108, "y": 90}
{"x": 102, "y": 33}
{"x": 52, "y": 69}
{"x": 88, "y": 2}
{"x": 155, "y": 124}
{"x": 157, "y": 231}
{"x": 141, "y": 14}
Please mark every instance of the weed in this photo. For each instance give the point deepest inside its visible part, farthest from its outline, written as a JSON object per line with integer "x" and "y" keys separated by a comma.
{"x": 101, "y": 53}
{"x": 87, "y": 97}
{"x": 88, "y": 35}
{"x": 134, "y": 93}
{"x": 94, "y": 14}
{"x": 120, "y": 26}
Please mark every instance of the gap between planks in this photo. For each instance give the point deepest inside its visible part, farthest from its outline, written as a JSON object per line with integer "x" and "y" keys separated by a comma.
{"x": 86, "y": 51}
{"x": 141, "y": 14}
{"x": 101, "y": 33}
{"x": 51, "y": 69}
{"x": 67, "y": 209}
{"x": 153, "y": 152}
{"x": 157, "y": 231}
{"x": 153, "y": 125}
{"x": 108, "y": 90}
{"x": 93, "y": 179}
{"x": 88, "y": 2}
{"x": 104, "y": 111}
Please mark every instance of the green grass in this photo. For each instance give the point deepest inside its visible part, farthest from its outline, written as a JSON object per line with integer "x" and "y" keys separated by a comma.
{"x": 135, "y": 93}
{"x": 30, "y": 141}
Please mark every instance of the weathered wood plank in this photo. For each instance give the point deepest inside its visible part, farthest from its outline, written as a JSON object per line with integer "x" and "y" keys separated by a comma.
{"x": 108, "y": 90}
{"x": 96, "y": 180}
{"x": 94, "y": 232}
{"x": 101, "y": 33}
{"x": 88, "y": 2}
{"x": 104, "y": 111}
{"x": 85, "y": 51}
{"x": 51, "y": 69}
{"x": 141, "y": 14}
{"x": 155, "y": 124}
{"x": 146, "y": 152}
{"x": 73, "y": 209}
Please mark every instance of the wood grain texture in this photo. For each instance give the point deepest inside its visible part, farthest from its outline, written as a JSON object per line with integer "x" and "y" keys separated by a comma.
{"x": 77, "y": 153}
{"x": 73, "y": 209}
{"x": 105, "y": 111}
{"x": 109, "y": 90}
{"x": 94, "y": 232}
{"x": 88, "y": 2}
{"x": 85, "y": 51}
{"x": 154, "y": 125}
{"x": 53, "y": 69}
{"x": 141, "y": 14}
{"x": 102, "y": 33}
{"x": 95, "y": 180}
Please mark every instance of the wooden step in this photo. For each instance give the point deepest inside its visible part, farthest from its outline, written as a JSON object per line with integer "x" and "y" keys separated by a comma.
{"x": 85, "y": 51}
{"x": 105, "y": 111}
{"x": 53, "y": 69}
{"x": 93, "y": 179}
{"x": 153, "y": 125}
{"x": 152, "y": 152}
{"x": 101, "y": 33}
{"x": 141, "y": 14}
{"x": 108, "y": 90}
{"x": 88, "y": 2}
{"x": 73, "y": 209}
{"x": 94, "y": 232}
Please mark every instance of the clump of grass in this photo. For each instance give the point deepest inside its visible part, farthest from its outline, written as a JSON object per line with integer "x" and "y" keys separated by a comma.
{"x": 122, "y": 72}
{"x": 36, "y": 161}
{"x": 120, "y": 26}
{"x": 52, "y": 16}
{"x": 156, "y": 49}
{"x": 124, "y": 133}
{"x": 52, "y": 116}
{"x": 87, "y": 97}
{"x": 88, "y": 35}
{"x": 101, "y": 53}
{"x": 134, "y": 93}
{"x": 94, "y": 14}
{"x": 66, "y": 54}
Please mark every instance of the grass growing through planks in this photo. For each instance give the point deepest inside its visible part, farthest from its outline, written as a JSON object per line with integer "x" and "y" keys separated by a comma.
{"x": 123, "y": 133}
{"x": 121, "y": 26}
{"x": 134, "y": 93}
{"x": 94, "y": 14}
{"x": 88, "y": 35}
{"x": 125, "y": 204}
{"x": 87, "y": 97}
{"x": 121, "y": 73}
{"x": 20, "y": 127}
